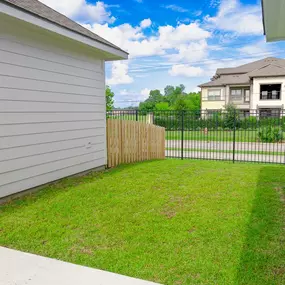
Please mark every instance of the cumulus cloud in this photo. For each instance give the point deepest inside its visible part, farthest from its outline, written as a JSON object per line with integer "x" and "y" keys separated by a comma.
{"x": 119, "y": 74}
{"x": 235, "y": 17}
{"x": 81, "y": 10}
{"x": 133, "y": 40}
{"x": 145, "y": 93}
{"x": 145, "y": 23}
{"x": 185, "y": 70}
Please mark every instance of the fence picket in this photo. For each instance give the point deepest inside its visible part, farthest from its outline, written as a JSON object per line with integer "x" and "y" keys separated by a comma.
{"x": 131, "y": 141}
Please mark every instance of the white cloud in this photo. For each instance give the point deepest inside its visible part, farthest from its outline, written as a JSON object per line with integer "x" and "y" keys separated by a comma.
{"x": 82, "y": 11}
{"x": 260, "y": 47}
{"x": 145, "y": 93}
{"x": 185, "y": 70}
{"x": 133, "y": 40}
{"x": 126, "y": 97}
{"x": 191, "y": 52}
{"x": 145, "y": 23}
{"x": 235, "y": 17}
{"x": 175, "y": 8}
{"x": 119, "y": 74}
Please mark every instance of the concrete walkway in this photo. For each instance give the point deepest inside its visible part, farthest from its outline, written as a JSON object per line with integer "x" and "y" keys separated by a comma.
{"x": 18, "y": 268}
{"x": 219, "y": 145}
{"x": 227, "y": 156}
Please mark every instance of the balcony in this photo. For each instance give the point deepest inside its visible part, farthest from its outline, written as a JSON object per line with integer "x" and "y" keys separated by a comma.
{"x": 270, "y": 92}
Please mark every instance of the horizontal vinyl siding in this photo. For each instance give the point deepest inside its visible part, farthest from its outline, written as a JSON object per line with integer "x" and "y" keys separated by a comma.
{"x": 52, "y": 114}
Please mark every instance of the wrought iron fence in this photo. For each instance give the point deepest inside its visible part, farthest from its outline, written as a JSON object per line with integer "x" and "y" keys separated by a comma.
{"x": 237, "y": 135}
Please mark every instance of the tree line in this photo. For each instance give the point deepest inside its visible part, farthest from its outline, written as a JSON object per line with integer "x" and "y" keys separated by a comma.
{"x": 174, "y": 98}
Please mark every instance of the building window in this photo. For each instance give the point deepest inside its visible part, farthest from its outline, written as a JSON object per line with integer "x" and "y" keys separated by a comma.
{"x": 244, "y": 114}
{"x": 214, "y": 95}
{"x": 246, "y": 96}
{"x": 236, "y": 94}
{"x": 270, "y": 92}
{"x": 270, "y": 113}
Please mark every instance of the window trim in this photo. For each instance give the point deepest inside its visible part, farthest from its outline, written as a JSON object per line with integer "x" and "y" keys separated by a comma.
{"x": 216, "y": 96}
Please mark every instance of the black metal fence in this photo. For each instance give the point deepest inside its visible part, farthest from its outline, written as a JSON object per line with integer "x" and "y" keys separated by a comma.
{"x": 236, "y": 135}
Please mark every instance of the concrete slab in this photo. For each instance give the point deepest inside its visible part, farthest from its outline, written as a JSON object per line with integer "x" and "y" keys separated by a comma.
{"x": 19, "y": 268}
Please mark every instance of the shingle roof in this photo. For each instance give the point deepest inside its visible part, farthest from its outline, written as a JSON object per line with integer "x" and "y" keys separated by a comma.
{"x": 228, "y": 79}
{"x": 251, "y": 66}
{"x": 269, "y": 70}
{"x": 270, "y": 66}
{"x": 41, "y": 10}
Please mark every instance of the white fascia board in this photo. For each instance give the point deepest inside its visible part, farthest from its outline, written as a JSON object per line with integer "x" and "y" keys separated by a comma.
{"x": 45, "y": 24}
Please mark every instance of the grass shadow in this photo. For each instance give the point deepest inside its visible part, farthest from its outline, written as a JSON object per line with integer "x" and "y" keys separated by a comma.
{"x": 263, "y": 256}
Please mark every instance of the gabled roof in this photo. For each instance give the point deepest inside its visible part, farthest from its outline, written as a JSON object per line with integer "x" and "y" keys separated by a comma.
{"x": 251, "y": 66}
{"x": 39, "y": 9}
{"x": 235, "y": 79}
{"x": 270, "y": 66}
{"x": 269, "y": 70}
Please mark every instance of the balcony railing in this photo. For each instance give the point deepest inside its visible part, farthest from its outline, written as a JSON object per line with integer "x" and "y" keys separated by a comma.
{"x": 270, "y": 95}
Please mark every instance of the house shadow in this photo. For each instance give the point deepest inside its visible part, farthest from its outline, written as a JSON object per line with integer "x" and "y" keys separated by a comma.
{"x": 263, "y": 256}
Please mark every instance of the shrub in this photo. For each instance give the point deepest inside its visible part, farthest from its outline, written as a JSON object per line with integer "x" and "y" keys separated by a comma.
{"x": 270, "y": 134}
{"x": 232, "y": 119}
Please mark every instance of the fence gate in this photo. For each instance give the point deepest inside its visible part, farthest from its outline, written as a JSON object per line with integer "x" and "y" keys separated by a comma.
{"x": 233, "y": 135}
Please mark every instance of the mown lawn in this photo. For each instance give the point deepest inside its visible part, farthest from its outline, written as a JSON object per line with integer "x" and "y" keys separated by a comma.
{"x": 173, "y": 222}
{"x": 217, "y": 135}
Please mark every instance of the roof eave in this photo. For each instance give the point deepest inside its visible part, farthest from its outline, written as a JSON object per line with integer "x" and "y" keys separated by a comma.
{"x": 22, "y": 14}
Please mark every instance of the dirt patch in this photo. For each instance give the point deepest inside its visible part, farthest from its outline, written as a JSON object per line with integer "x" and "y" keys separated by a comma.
{"x": 169, "y": 214}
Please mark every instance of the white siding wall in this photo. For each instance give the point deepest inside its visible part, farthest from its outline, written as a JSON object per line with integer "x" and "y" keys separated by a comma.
{"x": 52, "y": 111}
{"x": 267, "y": 103}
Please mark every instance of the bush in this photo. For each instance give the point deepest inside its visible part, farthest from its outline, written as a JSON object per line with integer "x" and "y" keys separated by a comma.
{"x": 270, "y": 134}
{"x": 232, "y": 119}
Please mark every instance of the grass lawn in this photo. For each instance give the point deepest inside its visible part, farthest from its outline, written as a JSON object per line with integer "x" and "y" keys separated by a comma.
{"x": 241, "y": 136}
{"x": 173, "y": 222}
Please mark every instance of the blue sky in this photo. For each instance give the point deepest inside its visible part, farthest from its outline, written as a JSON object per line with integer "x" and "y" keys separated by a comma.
{"x": 172, "y": 42}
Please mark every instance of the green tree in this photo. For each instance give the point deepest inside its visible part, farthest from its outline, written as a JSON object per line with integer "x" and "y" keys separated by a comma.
{"x": 109, "y": 99}
{"x": 155, "y": 97}
{"x": 162, "y": 106}
{"x": 231, "y": 116}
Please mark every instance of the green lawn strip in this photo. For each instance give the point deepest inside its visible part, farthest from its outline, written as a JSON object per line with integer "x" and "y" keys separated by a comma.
{"x": 241, "y": 136}
{"x": 227, "y": 151}
{"x": 172, "y": 221}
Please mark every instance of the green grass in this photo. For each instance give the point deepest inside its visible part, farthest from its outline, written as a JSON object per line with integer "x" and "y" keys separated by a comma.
{"x": 173, "y": 222}
{"x": 241, "y": 136}
{"x": 228, "y": 151}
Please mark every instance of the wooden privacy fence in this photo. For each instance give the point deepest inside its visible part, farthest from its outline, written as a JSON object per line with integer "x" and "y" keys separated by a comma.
{"x": 131, "y": 141}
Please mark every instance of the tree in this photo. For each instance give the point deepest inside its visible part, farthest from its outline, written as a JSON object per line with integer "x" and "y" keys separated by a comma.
{"x": 162, "y": 106}
{"x": 109, "y": 99}
{"x": 155, "y": 96}
{"x": 181, "y": 104}
{"x": 172, "y": 94}
{"x": 231, "y": 117}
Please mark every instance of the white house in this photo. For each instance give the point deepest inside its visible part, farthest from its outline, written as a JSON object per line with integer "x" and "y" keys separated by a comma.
{"x": 52, "y": 96}
{"x": 259, "y": 85}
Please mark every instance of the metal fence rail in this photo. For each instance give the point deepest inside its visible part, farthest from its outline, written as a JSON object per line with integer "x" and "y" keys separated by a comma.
{"x": 236, "y": 135}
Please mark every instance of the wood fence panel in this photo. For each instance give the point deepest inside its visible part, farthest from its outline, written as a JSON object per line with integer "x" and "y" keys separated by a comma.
{"x": 131, "y": 141}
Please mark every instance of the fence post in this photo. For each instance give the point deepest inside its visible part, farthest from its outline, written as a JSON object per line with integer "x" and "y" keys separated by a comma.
{"x": 137, "y": 115}
{"x": 182, "y": 134}
{"x": 234, "y": 138}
